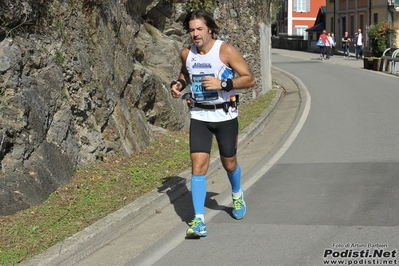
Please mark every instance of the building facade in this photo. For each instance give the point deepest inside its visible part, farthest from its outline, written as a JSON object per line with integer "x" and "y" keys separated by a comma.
{"x": 295, "y": 16}
{"x": 351, "y": 15}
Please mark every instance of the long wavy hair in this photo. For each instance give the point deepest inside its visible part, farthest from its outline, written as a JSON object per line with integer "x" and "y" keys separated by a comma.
{"x": 208, "y": 18}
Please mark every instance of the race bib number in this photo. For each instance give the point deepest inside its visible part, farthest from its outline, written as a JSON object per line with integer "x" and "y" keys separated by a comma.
{"x": 200, "y": 94}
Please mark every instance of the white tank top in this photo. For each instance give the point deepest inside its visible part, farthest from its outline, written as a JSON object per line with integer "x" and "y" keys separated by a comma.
{"x": 199, "y": 66}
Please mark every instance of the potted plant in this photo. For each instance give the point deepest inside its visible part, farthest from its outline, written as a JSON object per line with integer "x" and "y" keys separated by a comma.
{"x": 378, "y": 35}
{"x": 367, "y": 62}
{"x": 377, "y": 64}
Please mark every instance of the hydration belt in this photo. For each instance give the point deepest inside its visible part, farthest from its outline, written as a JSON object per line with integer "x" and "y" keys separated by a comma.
{"x": 191, "y": 103}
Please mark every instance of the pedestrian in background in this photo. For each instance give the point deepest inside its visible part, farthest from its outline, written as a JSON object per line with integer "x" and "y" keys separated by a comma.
{"x": 358, "y": 43}
{"x": 346, "y": 44}
{"x": 323, "y": 47}
{"x": 328, "y": 46}
{"x": 209, "y": 66}
{"x": 333, "y": 44}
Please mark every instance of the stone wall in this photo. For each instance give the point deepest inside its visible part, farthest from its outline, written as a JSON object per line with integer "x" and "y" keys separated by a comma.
{"x": 82, "y": 79}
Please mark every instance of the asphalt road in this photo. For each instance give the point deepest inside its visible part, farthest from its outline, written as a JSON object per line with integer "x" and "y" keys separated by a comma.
{"x": 329, "y": 192}
{"x": 321, "y": 181}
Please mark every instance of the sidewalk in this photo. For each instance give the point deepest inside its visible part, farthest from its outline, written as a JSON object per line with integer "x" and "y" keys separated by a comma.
{"x": 336, "y": 59}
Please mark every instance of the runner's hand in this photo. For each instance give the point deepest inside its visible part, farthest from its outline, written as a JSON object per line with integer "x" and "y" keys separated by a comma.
{"x": 211, "y": 83}
{"x": 175, "y": 90}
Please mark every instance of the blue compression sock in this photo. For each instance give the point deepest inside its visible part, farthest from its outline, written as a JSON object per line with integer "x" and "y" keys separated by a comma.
{"x": 235, "y": 179}
{"x": 198, "y": 193}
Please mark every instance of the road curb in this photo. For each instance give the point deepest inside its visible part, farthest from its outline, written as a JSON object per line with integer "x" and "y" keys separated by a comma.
{"x": 101, "y": 233}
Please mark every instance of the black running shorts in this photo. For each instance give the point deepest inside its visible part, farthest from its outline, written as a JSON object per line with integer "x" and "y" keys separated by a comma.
{"x": 226, "y": 133}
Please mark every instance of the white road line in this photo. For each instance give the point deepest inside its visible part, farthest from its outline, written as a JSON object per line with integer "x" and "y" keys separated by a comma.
{"x": 306, "y": 100}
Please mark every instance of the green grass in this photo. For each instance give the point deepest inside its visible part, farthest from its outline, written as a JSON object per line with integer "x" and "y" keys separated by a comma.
{"x": 253, "y": 109}
{"x": 101, "y": 189}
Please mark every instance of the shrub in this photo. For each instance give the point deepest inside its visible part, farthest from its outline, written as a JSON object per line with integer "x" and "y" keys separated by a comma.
{"x": 379, "y": 37}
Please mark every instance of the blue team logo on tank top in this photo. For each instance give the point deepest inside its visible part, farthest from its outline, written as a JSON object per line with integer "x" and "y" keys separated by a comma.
{"x": 226, "y": 73}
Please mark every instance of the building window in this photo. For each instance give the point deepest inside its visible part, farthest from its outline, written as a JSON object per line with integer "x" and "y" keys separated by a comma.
{"x": 361, "y": 18}
{"x": 301, "y": 5}
{"x": 375, "y": 18}
{"x": 301, "y": 31}
{"x": 352, "y": 25}
{"x": 332, "y": 24}
{"x": 343, "y": 24}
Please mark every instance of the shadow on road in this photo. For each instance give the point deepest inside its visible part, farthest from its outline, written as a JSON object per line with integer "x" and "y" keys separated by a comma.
{"x": 180, "y": 196}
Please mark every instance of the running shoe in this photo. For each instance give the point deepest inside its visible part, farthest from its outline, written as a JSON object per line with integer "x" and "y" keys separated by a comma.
{"x": 239, "y": 207}
{"x": 197, "y": 228}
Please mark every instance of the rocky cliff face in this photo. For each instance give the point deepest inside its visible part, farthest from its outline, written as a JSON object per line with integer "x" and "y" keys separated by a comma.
{"x": 82, "y": 79}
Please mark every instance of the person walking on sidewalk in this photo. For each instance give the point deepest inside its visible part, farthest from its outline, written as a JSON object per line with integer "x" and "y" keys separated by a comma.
{"x": 324, "y": 44}
{"x": 346, "y": 44}
{"x": 358, "y": 43}
{"x": 209, "y": 66}
{"x": 333, "y": 44}
{"x": 329, "y": 47}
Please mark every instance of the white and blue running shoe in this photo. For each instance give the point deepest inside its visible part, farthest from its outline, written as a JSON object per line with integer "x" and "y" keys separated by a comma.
{"x": 197, "y": 228}
{"x": 239, "y": 206}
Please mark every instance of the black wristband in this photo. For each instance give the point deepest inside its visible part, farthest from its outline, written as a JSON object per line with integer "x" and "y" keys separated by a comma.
{"x": 183, "y": 84}
{"x": 229, "y": 86}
